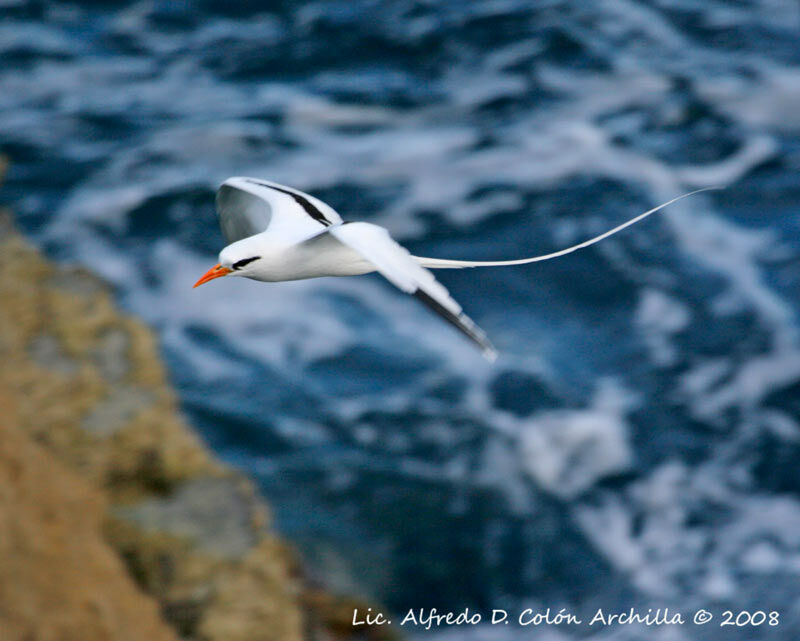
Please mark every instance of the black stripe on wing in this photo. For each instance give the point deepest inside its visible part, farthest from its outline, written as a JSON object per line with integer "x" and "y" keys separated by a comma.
{"x": 461, "y": 322}
{"x": 301, "y": 200}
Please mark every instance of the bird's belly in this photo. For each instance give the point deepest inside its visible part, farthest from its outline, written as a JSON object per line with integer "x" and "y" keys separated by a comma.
{"x": 303, "y": 261}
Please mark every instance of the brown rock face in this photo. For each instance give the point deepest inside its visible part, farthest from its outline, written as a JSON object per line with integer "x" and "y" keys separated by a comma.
{"x": 59, "y": 579}
{"x": 84, "y": 398}
{"x": 115, "y": 521}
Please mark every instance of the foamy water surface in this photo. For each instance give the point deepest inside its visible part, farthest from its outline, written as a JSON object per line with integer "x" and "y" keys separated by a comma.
{"x": 637, "y": 441}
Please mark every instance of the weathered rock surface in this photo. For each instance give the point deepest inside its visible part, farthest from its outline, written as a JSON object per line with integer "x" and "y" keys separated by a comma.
{"x": 59, "y": 579}
{"x": 86, "y": 384}
{"x": 83, "y": 397}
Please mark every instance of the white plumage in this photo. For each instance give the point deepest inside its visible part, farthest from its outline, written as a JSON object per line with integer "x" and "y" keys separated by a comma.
{"x": 278, "y": 233}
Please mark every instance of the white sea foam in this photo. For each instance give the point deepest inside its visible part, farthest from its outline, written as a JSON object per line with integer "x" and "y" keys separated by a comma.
{"x": 659, "y": 317}
{"x": 498, "y": 128}
{"x": 568, "y": 451}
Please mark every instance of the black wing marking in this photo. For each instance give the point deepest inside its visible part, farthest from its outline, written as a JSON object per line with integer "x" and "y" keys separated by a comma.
{"x": 461, "y": 322}
{"x": 376, "y": 246}
{"x": 301, "y": 200}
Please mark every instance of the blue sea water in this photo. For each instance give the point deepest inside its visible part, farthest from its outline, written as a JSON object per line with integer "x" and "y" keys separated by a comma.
{"x": 636, "y": 443}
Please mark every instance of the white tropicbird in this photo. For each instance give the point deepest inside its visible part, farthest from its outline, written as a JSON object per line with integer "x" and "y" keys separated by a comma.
{"x": 277, "y": 233}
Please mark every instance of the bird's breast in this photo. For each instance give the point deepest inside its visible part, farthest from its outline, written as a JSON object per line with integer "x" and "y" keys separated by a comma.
{"x": 309, "y": 260}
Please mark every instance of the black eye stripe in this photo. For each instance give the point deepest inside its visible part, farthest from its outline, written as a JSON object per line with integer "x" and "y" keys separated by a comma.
{"x": 241, "y": 263}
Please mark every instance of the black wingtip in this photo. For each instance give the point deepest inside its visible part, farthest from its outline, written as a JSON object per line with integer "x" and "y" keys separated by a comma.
{"x": 462, "y": 323}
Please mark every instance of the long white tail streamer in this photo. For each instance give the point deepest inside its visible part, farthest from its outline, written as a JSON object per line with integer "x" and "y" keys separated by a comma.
{"x": 442, "y": 263}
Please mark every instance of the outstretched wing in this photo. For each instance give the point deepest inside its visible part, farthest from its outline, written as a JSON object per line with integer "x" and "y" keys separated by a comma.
{"x": 250, "y": 206}
{"x": 375, "y": 245}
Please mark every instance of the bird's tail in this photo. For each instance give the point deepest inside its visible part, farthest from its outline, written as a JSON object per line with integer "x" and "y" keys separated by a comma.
{"x": 441, "y": 263}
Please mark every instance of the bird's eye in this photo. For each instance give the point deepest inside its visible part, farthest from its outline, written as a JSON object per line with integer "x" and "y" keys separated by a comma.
{"x": 241, "y": 263}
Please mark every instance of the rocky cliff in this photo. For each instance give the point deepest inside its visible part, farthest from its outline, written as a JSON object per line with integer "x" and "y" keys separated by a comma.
{"x": 59, "y": 580}
{"x": 115, "y": 521}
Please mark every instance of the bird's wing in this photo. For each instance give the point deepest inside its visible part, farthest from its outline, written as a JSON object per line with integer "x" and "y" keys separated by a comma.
{"x": 250, "y": 206}
{"x": 375, "y": 245}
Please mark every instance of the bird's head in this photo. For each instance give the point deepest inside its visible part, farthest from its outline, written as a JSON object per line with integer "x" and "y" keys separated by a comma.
{"x": 237, "y": 259}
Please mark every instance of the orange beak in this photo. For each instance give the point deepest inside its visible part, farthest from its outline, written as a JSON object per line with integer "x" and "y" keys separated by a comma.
{"x": 215, "y": 272}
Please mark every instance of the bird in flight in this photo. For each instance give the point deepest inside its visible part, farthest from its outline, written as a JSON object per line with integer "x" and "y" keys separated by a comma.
{"x": 277, "y": 233}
